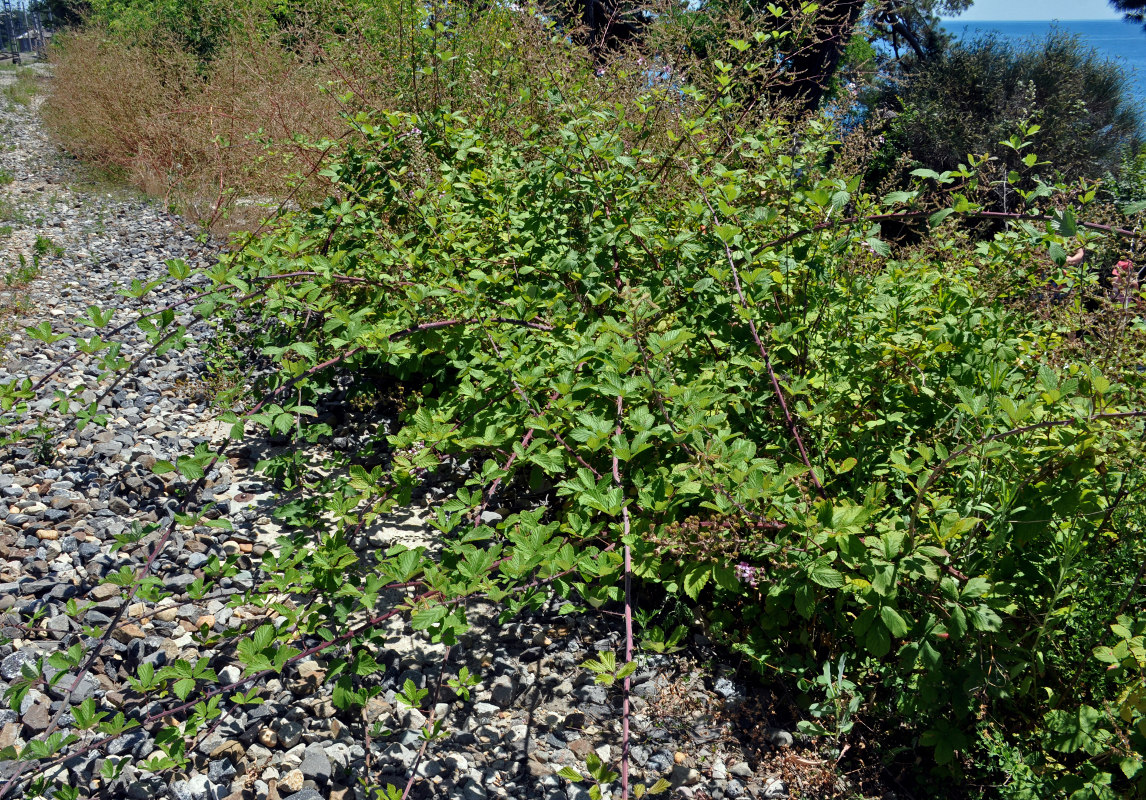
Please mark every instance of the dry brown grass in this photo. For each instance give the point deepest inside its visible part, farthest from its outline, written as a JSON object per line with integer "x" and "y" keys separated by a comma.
{"x": 225, "y": 140}
{"x": 218, "y": 143}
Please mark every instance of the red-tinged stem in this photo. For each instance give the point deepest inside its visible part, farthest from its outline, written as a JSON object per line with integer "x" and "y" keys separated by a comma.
{"x": 626, "y": 684}
{"x": 309, "y": 274}
{"x": 908, "y": 215}
{"x": 525, "y": 440}
{"x": 791, "y": 423}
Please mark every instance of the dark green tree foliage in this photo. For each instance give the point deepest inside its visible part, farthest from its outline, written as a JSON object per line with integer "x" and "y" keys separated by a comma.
{"x": 915, "y": 25}
{"x": 62, "y": 12}
{"x": 1135, "y": 10}
{"x": 969, "y": 97}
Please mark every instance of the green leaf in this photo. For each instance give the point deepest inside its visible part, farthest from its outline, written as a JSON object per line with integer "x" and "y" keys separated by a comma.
{"x": 695, "y": 578}
{"x": 423, "y": 618}
{"x": 895, "y": 198}
{"x": 570, "y": 774}
{"x": 846, "y": 466}
{"x": 726, "y": 233}
{"x": 189, "y": 468}
{"x": 879, "y": 247}
{"x": 826, "y": 575}
{"x": 1067, "y": 226}
{"x": 895, "y": 623}
{"x": 725, "y": 577}
{"x": 183, "y": 688}
{"x": 936, "y": 219}
{"x": 878, "y": 642}
{"x": 162, "y": 467}
{"x": 1074, "y": 730}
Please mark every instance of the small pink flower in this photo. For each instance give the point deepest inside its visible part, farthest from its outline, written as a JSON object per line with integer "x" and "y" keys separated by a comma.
{"x": 746, "y": 573}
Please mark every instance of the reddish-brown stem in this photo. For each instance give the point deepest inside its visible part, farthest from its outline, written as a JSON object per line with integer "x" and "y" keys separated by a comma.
{"x": 764, "y": 354}
{"x": 335, "y": 278}
{"x": 897, "y": 215}
{"x": 626, "y": 683}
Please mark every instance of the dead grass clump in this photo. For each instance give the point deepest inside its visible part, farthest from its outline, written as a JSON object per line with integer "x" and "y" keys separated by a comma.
{"x": 226, "y": 135}
{"x": 219, "y": 142}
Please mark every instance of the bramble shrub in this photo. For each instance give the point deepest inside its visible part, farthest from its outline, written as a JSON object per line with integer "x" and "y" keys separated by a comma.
{"x": 664, "y": 338}
{"x": 708, "y": 358}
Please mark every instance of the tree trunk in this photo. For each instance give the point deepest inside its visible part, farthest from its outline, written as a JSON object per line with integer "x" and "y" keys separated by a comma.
{"x": 811, "y": 66}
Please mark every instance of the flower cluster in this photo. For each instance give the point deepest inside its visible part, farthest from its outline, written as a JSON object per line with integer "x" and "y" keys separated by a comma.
{"x": 746, "y": 573}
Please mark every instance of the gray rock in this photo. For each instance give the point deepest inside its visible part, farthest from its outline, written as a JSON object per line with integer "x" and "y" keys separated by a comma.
{"x": 130, "y": 742}
{"x": 774, "y": 789}
{"x": 59, "y": 624}
{"x": 659, "y": 763}
{"x": 593, "y": 694}
{"x": 400, "y": 754}
{"x": 727, "y": 689}
{"x": 197, "y": 787}
{"x": 341, "y": 755}
{"x": 230, "y": 674}
{"x": 146, "y": 788}
{"x": 220, "y": 770}
{"x": 502, "y": 692}
{"x": 484, "y": 711}
{"x": 316, "y": 764}
{"x": 684, "y": 776}
{"x": 290, "y": 734}
{"x": 176, "y": 583}
{"x": 258, "y": 754}
{"x": 456, "y": 763}
{"x": 430, "y": 768}
{"x": 472, "y": 790}
{"x": 741, "y": 770}
{"x": 10, "y": 666}
{"x": 778, "y": 737}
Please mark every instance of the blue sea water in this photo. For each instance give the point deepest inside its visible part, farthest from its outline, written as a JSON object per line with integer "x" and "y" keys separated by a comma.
{"x": 1119, "y": 41}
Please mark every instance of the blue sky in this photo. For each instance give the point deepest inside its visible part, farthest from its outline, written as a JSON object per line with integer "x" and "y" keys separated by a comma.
{"x": 1039, "y": 10}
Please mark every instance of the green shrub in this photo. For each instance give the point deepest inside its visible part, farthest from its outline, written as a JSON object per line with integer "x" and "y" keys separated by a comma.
{"x": 975, "y": 94}
{"x": 627, "y": 332}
